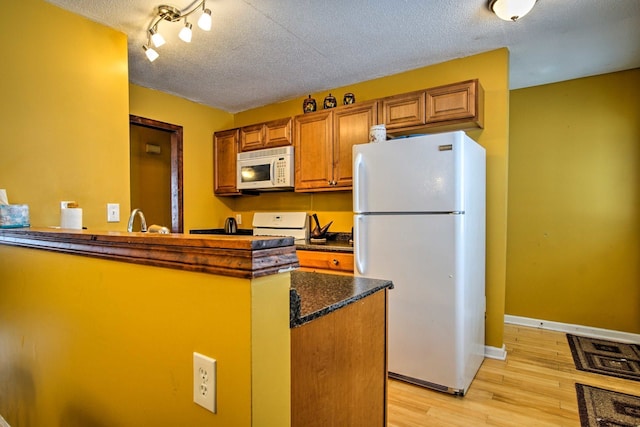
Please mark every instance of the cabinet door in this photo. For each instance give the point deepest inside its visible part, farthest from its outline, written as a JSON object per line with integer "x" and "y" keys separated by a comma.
{"x": 252, "y": 137}
{"x": 455, "y": 103}
{"x": 351, "y": 127}
{"x": 339, "y": 367}
{"x": 402, "y": 111}
{"x": 225, "y": 149}
{"x": 313, "y": 136}
{"x": 277, "y": 133}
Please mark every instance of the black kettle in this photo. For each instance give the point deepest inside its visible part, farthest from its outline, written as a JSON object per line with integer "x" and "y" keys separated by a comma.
{"x": 230, "y": 226}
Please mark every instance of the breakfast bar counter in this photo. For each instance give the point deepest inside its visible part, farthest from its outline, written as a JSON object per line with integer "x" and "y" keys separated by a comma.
{"x": 227, "y": 255}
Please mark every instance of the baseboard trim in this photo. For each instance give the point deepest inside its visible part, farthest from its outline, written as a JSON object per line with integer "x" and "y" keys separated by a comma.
{"x": 588, "y": 331}
{"x": 495, "y": 352}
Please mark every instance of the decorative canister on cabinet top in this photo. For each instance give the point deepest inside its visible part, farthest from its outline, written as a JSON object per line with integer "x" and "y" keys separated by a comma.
{"x": 378, "y": 133}
{"x": 349, "y": 98}
{"x": 330, "y": 101}
{"x": 309, "y": 105}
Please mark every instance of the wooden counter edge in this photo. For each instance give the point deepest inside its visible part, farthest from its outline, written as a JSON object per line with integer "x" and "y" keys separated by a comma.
{"x": 235, "y": 256}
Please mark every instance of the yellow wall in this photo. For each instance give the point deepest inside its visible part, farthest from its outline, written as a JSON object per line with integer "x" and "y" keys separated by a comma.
{"x": 492, "y": 70}
{"x": 201, "y": 208}
{"x": 89, "y": 342}
{"x": 574, "y": 202}
{"x": 64, "y": 113}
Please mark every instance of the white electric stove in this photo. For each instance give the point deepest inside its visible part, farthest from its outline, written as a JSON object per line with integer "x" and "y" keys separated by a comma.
{"x": 294, "y": 224}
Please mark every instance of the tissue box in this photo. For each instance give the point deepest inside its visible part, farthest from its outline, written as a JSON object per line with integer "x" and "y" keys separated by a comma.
{"x": 14, "y": 216}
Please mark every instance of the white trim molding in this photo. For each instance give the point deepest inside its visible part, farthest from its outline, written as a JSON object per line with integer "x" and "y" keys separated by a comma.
{"x": 587, "y": 331}
{"x": 495, "y": 352}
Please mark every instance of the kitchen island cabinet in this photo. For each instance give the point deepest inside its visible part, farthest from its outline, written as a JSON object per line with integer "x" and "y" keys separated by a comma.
{"x": 338, "y": 351}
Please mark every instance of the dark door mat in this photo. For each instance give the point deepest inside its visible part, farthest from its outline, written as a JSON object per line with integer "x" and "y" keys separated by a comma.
{"x": 604, "y": 408}
{"x": 605, "y": 357}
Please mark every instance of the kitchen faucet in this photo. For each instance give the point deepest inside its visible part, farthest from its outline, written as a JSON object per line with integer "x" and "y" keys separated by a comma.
{"x": 143, "y": 222}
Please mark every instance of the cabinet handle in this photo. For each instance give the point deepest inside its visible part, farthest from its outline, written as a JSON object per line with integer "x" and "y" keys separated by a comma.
{"x": 335, "y": 261}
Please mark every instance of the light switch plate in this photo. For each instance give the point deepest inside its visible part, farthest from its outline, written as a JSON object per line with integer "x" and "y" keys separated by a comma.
{"x": 113, "y": 212}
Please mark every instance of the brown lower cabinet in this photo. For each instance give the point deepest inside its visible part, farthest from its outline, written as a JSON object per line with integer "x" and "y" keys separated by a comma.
{"x": 326, "y": 262}
{"x": 339, "y": 367}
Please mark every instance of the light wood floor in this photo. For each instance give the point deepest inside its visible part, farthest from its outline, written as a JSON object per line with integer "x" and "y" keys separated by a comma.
{"x": 535, "y": 386}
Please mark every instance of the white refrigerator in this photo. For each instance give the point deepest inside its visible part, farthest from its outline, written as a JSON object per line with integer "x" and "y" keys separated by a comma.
{"x": 419, "y": 220}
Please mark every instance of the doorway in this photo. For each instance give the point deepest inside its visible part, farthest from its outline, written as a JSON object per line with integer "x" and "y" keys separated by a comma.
{"x": 156, "y": 171}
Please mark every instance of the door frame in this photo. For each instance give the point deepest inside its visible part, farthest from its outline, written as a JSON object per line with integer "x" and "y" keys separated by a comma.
{"x": 177, "y": 214}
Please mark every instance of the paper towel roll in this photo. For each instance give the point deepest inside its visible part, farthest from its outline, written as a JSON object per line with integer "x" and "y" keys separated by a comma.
{"x": 3, "y": 197}
{"x": 71, "y": 218}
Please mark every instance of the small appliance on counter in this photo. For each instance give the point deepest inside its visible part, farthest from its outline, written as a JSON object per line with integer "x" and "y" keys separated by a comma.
{"x": 281, "y": 224}
{"x": 230, "y": 225}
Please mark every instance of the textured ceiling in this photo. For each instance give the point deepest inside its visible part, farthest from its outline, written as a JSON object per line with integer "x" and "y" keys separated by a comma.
{"x": 265, "y": 51}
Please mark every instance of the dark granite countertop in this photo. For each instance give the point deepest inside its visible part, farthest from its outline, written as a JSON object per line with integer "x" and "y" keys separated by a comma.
{"x": 314, "y": 295}
{"x": 336, "y": 242}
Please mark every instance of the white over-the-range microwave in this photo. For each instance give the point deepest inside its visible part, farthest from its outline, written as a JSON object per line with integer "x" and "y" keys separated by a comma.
{"x": 267, "y": 169}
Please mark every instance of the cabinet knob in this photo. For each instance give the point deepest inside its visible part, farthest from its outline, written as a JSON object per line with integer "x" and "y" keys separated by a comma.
{"x": 335, "y": 261}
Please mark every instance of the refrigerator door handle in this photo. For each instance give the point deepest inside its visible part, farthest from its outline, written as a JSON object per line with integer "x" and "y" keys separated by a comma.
{"x": 357, "y": 182}
{"x": 359, "y": 245}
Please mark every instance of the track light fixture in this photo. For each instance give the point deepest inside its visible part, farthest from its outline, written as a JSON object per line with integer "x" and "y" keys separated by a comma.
{"x": 511, "y": 10}
{"x": 173, "y": 14}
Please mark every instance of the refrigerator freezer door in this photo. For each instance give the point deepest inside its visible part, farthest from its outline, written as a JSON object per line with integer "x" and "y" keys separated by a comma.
{"x": 419, "y": 174}
{"x": 435, "y": 335}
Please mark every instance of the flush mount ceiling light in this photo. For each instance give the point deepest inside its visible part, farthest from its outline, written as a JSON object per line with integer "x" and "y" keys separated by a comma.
{"x": 173, "y": 14}
{"x": 511, "y": 10}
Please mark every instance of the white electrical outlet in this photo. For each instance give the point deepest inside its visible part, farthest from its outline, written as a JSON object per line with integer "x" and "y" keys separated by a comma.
{"x": 204, "y": 381}
{"x": 113, "y": 212}
{"x": 239, "y": 219}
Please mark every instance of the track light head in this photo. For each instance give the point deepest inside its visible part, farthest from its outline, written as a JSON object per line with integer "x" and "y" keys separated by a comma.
{"x": 156, "y": 37}
{"x": 152, "y": 55}
{"x": 205, "y": 20}
{"x": 172, "y": 14}
{"x": 186, "y": 33}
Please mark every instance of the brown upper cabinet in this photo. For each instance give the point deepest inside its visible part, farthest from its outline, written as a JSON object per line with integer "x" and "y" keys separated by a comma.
{"x": 448, "y": 107}
{"x": 225, "y": 150}
{"x": 458, "y": 105}
{"x": 402, "y": 111}
{"x": 313, "y": 137}
{"x": 276, "y": 133}
{"x": 323, "y": 144}
{"x": 324, "y": 139}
